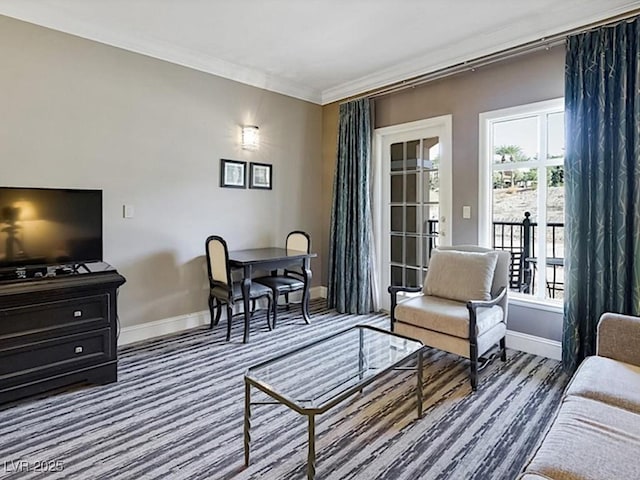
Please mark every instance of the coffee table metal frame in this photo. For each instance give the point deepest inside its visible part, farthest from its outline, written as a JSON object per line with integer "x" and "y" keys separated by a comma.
{"x": 312, "y": 412}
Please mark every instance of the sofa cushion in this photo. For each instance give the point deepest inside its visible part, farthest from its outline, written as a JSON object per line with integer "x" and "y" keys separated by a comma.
{"x": 461, "y": 276}
{"x": 589, "y": 440}
{"x": 609, "y": 381}
{"x": 445, "y": 316}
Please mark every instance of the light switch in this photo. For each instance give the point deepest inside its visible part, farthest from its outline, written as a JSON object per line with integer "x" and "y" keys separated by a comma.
{"x": 466, "y": 212}
{"x": 127, "y": 211}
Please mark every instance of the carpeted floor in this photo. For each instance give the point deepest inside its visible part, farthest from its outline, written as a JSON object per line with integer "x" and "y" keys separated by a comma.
{"x": 177, "y": 412}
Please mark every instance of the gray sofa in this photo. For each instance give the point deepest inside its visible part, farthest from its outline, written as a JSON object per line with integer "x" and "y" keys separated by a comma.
{"x": 596, "y": 432}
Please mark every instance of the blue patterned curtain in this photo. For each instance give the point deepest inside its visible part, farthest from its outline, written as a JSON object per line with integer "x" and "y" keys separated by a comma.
{"x": 350, "y": 273}
{"x": 602, "y": 183}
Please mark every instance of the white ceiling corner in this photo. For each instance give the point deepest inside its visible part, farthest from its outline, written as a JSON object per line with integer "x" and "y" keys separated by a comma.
{"x": 318, "y": 50}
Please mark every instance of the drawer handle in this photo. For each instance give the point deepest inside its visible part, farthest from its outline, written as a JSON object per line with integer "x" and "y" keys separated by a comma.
{"x": 79, "y": 350}
{"x": 77, "y": 313}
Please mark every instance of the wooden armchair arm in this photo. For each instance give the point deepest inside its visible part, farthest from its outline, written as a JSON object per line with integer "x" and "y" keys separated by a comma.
{"x": 474, "y": 305}
{"x": 394, "y": 290}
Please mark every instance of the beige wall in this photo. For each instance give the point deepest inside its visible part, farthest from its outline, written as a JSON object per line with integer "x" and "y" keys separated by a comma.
{"x": 75, "y": 113}
{"x": 535, "y": 77}
{"x": 532, "y": 78}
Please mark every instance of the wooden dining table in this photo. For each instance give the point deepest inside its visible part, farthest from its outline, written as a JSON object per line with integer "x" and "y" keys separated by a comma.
{"x": 270, "y": 259}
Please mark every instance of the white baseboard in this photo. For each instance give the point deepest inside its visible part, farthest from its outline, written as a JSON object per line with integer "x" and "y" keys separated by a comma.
{"x": 535, "y": 345}
{"x": 166, "y": 326}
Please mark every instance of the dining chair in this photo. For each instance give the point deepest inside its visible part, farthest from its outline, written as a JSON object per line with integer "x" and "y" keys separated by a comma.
{"x": 223, "y": 290}
{"x": 291, "y": 280}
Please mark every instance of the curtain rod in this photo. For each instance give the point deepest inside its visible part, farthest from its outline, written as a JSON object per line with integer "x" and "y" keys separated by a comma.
{"x": 544, "y": 43}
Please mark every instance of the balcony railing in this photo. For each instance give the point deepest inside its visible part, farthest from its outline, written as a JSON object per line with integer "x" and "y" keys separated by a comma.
{"x": 521, "y": 239}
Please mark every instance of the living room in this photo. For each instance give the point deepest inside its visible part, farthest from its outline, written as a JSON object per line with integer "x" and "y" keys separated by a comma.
{"x": 82, "y": 112}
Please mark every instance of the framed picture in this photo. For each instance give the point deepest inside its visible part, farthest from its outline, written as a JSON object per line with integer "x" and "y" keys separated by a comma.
{"x": 233, "y": 173}
{"x": 260, "y": 176}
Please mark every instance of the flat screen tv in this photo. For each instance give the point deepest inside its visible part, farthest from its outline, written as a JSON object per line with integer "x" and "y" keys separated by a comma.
{"x": 49, "y": 226}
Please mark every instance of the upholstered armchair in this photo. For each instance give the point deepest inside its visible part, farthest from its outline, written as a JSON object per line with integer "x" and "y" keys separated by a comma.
{"x": 462, "y": 307}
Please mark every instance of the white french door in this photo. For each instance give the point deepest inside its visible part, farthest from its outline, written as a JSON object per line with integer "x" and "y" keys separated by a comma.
{"x": 412, "y": 206}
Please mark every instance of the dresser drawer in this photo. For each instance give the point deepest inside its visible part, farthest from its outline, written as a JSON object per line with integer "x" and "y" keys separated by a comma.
{"x": 85, "y": 313}
{"x": 32, "y": 360}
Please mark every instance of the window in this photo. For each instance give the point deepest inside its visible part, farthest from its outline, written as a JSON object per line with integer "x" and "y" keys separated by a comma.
{"x": 522, "y": 195}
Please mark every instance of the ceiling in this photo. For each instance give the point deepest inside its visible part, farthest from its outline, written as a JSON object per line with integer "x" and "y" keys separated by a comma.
{"x": 316, "y": 50}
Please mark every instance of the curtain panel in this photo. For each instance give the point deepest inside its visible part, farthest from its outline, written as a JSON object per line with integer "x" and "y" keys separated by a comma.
{"x": 350, "y": 250}
{"x": 602, "y": 183}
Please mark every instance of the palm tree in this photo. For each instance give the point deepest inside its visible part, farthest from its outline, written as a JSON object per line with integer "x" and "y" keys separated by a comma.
{"x": 511, "y": 153}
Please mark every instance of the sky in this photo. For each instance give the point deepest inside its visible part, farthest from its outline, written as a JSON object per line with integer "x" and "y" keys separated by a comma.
{"x": 524, "y": 133}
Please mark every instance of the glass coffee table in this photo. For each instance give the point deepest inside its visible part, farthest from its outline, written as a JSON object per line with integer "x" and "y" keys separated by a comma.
{"x": 315, "y": 377}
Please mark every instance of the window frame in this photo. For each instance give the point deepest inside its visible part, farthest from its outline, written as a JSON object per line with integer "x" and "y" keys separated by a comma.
{"x": 485, "y": 179}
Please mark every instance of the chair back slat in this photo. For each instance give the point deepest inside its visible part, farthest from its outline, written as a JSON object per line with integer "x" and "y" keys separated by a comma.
{"x": 299, "y": 241}
{"x": 218, "y": 261}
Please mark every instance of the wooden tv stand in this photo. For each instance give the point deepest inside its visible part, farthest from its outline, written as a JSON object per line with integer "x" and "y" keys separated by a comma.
{"x": 58, "y": 330}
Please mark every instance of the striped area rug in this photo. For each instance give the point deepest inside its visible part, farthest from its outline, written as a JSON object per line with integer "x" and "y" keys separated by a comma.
{"x": 177, "y": 412}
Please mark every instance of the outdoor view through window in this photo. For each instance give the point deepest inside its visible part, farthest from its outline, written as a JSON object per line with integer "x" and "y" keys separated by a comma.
{"x": 527, "y": 177}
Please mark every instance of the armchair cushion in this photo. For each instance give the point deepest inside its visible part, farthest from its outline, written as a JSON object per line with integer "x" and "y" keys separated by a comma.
{"x": 446, "y": 316}
{"x": 461, "y": 276}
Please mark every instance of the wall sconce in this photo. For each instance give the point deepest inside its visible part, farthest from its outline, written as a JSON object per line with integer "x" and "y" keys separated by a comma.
{"x": 250, "y": 137}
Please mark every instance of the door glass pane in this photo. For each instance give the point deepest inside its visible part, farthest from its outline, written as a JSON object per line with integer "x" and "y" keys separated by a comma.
{"x": 397, "y": 189}
{"x": 428, "y": 244}
{"x": 430, "y": 216}
{"x": 396, "y": 276}
{"x": 396, "y": 219}
{"x": 412, "y": 187}
{"x": 411, "y": 225}
{"x": 397, "y": 156}
{"x": 396, "y": 249}
{"x": 413, "y": 148}
{"x": 430, "y": 230}
{"x": 413, "y": 254}
{"x": 414, "y": 277}
{"x": 430, "y": 186}
{"x": 431, "y": 149}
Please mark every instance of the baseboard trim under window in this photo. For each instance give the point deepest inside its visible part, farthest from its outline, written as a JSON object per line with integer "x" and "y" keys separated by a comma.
{"x": 535, "y": 345}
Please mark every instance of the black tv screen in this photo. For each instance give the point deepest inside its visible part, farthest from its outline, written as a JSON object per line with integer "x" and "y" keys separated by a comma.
{"x": 49, "y": 226}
